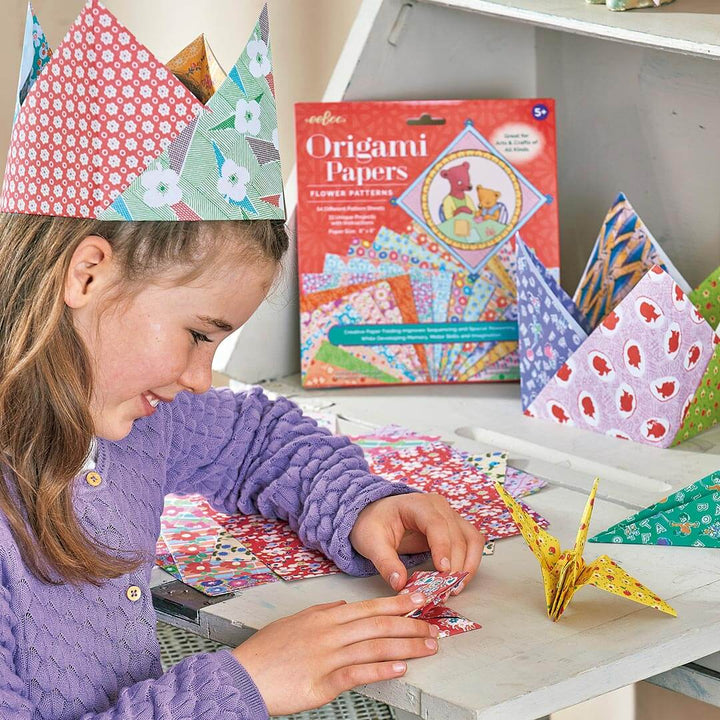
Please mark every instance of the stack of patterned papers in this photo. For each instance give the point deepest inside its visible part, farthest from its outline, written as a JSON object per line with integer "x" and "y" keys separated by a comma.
{"x": 466, "y": 481}
{"x": 404, "y": 279}
{"x": 218, "y": 553}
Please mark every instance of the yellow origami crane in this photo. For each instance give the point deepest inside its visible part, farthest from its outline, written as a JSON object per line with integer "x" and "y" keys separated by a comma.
{"x": 564, "y": 571}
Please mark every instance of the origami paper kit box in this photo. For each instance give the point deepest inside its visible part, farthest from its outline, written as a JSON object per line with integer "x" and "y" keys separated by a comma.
{"x": 634, "y": 354}
{"x": 407, "y": 218}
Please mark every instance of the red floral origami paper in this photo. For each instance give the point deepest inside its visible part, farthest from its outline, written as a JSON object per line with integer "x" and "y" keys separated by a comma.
{"x": 436, "y": 587}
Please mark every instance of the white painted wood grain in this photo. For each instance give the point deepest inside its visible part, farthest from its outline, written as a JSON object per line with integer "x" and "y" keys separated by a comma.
{"x": 689, "y": 26}
{"x": 521, "y": 665}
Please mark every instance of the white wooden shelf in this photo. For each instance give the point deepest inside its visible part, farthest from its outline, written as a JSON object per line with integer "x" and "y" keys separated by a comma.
{"x": 691, "y": 27}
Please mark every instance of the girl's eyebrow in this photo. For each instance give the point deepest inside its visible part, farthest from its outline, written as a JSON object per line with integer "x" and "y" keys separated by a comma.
{"x": 220, "y": 324}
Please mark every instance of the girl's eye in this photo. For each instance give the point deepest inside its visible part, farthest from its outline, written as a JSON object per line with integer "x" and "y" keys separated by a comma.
{"x": 199, "y": 337}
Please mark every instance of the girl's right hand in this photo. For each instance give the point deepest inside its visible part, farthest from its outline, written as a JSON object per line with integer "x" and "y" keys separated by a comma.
{"x": 306, "y": 660}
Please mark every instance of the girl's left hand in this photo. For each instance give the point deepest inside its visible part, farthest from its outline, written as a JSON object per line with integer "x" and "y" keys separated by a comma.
{"x": 414, "y": 523}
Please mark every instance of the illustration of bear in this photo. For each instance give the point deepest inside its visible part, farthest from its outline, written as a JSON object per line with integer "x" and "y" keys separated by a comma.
{"x": 457, "y": 200}
{"x": 489, "y": 207}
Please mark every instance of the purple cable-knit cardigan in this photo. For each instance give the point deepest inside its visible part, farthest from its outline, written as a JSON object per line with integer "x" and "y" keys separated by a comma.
{"x": 71, "y": 652}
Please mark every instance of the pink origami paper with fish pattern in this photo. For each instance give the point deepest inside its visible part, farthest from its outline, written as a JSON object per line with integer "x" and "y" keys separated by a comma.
{"x": 636, "y": 374}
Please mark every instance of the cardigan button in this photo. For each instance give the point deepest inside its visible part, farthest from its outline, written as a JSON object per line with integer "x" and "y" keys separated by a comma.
{"x": 93, "y": 479}
{"x": 133, "y": 593}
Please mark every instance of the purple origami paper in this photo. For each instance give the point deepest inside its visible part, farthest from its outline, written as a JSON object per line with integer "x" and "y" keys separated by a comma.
{"x": 636, "y": 374}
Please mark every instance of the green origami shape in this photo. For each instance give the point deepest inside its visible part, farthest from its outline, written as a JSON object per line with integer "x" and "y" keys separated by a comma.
{"x": 225, "y": 165}
{"x": 704, "y": 410}
{"x": 706, "y": 298}
{"x": 690, "y": 517}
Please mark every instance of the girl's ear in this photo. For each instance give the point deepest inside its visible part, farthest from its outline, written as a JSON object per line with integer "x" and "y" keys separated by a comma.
{"x": 90, "y": 271}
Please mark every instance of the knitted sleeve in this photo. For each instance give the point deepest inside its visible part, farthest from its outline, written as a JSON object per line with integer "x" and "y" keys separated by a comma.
{"x": 246, "y": 453}
{"x": 205, "y": 685}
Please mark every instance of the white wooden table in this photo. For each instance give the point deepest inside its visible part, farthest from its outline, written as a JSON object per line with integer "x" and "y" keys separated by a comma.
{"x": 521, "y": 665}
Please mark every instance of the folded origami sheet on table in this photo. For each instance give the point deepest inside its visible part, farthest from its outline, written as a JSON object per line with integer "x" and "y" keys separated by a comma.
{"x": 436, "y": 587}
{"x": 689, "y": 517}
{"x": 634, "y": 354}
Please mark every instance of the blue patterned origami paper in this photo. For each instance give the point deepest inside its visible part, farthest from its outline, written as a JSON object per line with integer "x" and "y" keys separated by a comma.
{"x": 624, "y": 251}
{"x": 550, "y": 326}
{"x": 35, "y": 55}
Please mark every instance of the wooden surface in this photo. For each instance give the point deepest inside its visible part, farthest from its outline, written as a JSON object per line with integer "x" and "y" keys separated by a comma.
{"x": 521, "y": 665}
{"x": 691, "y": 680}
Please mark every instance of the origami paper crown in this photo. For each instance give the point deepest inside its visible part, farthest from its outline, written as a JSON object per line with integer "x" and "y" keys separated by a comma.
{"x": 632, "y": 355}
{"x": 104, "y": 130}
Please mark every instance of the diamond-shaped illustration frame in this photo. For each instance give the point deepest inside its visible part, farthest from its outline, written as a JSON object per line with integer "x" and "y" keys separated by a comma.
{"x": 470, "y": 143}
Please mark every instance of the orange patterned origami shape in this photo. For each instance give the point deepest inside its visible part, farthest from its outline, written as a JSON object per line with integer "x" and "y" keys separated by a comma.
{"x": 565, "y": 571}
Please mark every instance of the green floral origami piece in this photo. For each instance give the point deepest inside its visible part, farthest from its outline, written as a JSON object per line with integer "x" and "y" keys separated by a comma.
{"x": 225, "y": 164}
{"x": 689, "y": 517}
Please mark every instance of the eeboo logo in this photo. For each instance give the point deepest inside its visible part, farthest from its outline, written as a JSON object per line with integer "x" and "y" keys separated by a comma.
{"x": 327, "y": 118}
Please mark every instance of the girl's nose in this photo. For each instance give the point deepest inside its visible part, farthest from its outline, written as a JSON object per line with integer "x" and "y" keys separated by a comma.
{"x": 197, "y": 377}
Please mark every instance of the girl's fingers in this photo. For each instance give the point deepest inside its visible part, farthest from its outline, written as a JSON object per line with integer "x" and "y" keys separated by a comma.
{"x": 395, "y": 605}
{"x": 473, "y": 556}
{"x": 458, "y": 546}
{"x": 326, "y": 606}
{"x": 387, "y": 649}
{"x": 385, "y": 626}
{"x": 438, "y": 537}
{"x": 351, "y": 676}
{"x": 385, "y": 558}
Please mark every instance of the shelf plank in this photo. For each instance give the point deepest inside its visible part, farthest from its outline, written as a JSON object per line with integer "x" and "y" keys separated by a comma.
{"x": 691, "y": 27}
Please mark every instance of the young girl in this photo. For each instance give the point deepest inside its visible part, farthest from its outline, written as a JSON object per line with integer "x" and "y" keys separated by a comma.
{"x": 107, "y": 333}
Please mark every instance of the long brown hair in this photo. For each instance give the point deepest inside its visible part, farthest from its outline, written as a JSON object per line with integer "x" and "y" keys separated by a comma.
{"x": 45, "y": 372}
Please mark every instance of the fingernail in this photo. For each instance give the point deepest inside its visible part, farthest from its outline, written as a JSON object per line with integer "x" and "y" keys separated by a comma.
{"x": 394, "y": 579}
{"x": 444, "y": 564}
{"x": 417, "y": 598}
{"x": 399, "y": 667}
{"x": 432, "y": 644}
{"x": 434, "y": 630}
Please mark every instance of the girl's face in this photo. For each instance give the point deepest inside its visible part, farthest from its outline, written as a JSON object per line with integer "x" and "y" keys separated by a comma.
{"x": 161, "y": 341}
